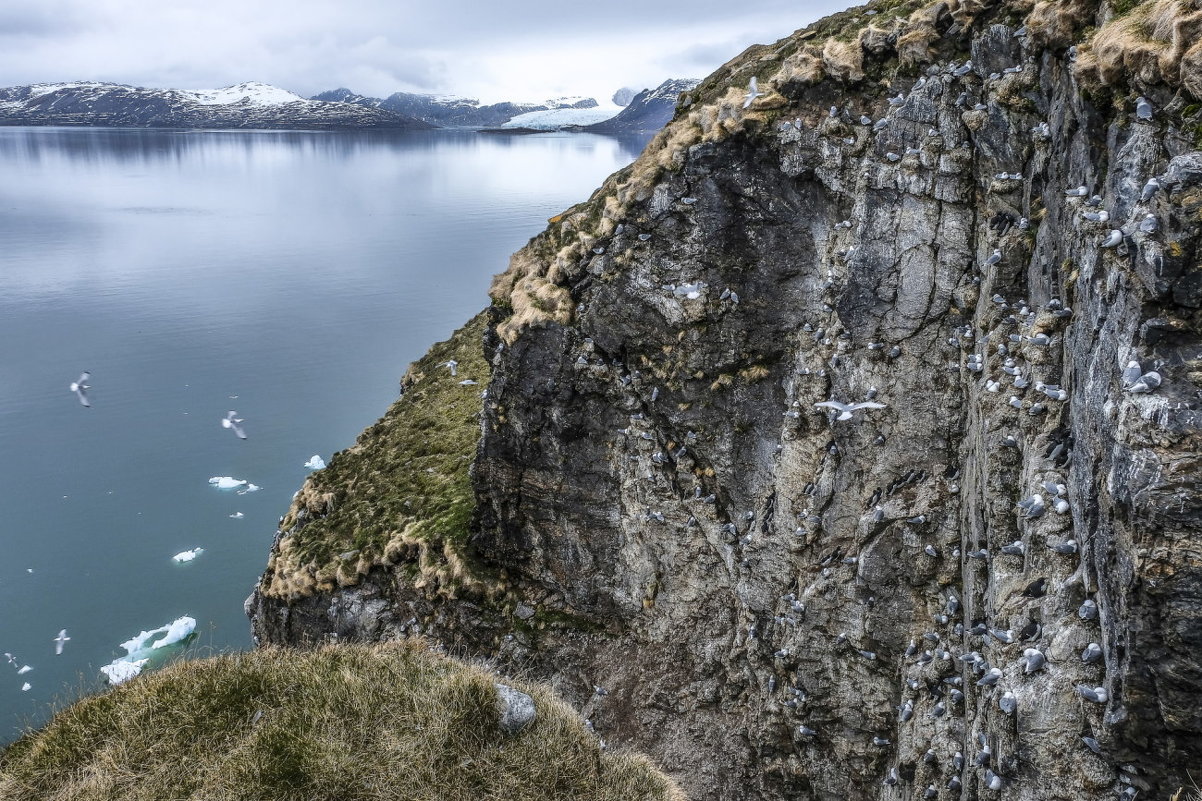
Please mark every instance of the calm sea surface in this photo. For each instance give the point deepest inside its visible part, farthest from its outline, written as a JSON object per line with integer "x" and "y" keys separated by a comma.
{"x": 289, "y": 276}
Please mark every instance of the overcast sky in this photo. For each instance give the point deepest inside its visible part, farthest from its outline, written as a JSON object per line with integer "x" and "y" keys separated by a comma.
{"x": 491, "y": 49}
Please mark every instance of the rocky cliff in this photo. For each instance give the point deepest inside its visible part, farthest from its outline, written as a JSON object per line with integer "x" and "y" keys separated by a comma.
{"x": 974, "y": 226}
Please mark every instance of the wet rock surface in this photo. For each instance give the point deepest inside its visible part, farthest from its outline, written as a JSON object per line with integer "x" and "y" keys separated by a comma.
{"x": 999, "y": 561}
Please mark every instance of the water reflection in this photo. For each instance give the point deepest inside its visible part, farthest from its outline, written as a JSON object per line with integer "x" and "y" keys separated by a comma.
{"x": 156, "y": 145}
{"x": 289, "y": 275}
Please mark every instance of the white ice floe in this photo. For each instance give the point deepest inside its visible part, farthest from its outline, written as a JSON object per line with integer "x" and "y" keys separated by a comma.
{"x": 237, "y": 516}
{"x": 249, "y": 488}
{"x": 315, "y": 463}
{"x": 139, "y": 649}
{"x": 188, "y": 556}
{"x": 120, "y": 670}
{"x": 24, "y": 669}
{"x": 227, "y": 482}
{"x": 25, "y": 687}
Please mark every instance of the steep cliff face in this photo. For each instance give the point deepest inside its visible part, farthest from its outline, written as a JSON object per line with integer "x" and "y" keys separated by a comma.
{"x": 1003, "y": 560}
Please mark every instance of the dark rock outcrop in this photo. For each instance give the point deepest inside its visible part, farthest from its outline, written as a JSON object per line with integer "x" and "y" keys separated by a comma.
{"x": 649, "y": 110}
{"x": 780, "y": 604}
{"x": 248, "y": 105}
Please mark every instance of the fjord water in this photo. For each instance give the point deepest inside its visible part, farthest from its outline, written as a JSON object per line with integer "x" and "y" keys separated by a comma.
{"x": 290, "y": 276}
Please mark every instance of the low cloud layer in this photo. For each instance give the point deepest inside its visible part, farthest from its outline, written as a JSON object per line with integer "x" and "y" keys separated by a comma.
{"x": 527, "y": 49}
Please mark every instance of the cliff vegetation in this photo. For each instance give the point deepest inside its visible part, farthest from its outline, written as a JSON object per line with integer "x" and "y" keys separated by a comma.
{"x": 345, "y": 723}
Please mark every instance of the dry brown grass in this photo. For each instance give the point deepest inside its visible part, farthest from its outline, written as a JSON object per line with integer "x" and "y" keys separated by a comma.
{"x": 1157, "y": 42}
{"x": 343, "y": 723}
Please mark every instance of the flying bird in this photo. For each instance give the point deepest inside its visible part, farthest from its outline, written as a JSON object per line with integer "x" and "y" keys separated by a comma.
{"x": 80, "y": 387}
{"x": 845, "y": 409}
{"x": 752, "y": 93}
{"x": 60, "y": 640}
{"x": 231, "y": 420}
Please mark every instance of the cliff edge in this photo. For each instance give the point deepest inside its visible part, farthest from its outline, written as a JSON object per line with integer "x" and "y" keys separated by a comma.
{"x": 978, "y": 223}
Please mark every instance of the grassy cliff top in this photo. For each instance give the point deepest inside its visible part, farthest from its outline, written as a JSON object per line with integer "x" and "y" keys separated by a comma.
{"x": 402, "y": 492}
{"x": 348, "y": 722}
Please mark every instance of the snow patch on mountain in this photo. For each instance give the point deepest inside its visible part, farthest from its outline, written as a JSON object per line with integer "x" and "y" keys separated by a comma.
{"x": 253, "y": 92}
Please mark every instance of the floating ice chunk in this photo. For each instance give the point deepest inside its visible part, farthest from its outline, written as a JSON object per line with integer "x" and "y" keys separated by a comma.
{"x": 25, "y": 687}
{"x": 237, "y": 516}
{"x": 188, "y": 556}
{"x": 315, "y": 463}
{"x": 227, "y": 482}
{"x": 24, "y": 669}
{"x": 120, "y": 671}
{"x": 249, "y": 488}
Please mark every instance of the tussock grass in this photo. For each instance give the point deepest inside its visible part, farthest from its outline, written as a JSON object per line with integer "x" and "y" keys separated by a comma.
{"x": 402, "y": 492}
{"x": 344, "y": 723}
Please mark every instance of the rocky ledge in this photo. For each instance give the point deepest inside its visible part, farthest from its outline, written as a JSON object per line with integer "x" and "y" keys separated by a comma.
{"x": 846, "y": 445}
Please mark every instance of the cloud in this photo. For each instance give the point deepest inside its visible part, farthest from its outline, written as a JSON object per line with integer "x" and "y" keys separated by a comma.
{"x": 525, "y": 49}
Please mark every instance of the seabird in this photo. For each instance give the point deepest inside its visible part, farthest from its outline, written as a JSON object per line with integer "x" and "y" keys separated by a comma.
{"x": 80, "y": 387}
{"x": 1149, "y": 224}
{"x": 1088, "y": 610}
{"x": 752, "y": 93}
{"x": 992, "y": 780}
{"x": 1096, "y": 694}
{"x": 60, "y": 640}
{"x": 1066, "y": 547}
{"x": 846, "y": 409}
{"x": 1034, "y": 660}
{"x": 1008, "y": 703}
{"x": 1143, "y": 109}
{"x": 1113, "y": 240}
{"x": 991, "y": 678}
{"x": 231, "y": 420}
{"x": 453, "y": 365}
{"x": 1150, "y": 189}
{"x": 1092, "y": 653}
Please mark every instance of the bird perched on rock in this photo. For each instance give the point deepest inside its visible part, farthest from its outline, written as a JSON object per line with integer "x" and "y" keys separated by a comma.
{"x": 1143, "y": 109}
{"x": 1033, "y": 660}
{"x": 1113, "y": 239}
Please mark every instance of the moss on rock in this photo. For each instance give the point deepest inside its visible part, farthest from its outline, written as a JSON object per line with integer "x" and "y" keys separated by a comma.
{"x": 402, "y": 493}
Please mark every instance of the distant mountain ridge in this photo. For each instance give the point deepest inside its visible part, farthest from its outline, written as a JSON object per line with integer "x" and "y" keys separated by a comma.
{"x": 245, "y": 105}
{"x": 450, "y": 111}
{"x": 649, "y": 110}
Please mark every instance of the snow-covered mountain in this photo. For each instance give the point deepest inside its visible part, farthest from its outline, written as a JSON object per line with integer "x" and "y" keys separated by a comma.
{"x": 246, "y": 105}
{"x": 455, "y": 112}
{"x": 650, "y": 110}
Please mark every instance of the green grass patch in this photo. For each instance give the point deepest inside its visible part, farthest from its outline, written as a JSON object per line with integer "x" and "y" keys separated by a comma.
{"x": 409, "y": 471}
{"x": 343, "y": 723}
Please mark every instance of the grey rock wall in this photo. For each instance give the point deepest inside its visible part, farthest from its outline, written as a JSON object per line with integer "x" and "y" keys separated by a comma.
{"x": 777, "y": 604}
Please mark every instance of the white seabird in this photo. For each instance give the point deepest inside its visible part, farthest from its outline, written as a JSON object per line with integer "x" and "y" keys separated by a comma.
{"x": 80, "y": 386}
{"x": 845, "y": 409}
{"x": 60, "y": 640}
{"x": 231, "y": 420}
{"x": 753, "y": 92}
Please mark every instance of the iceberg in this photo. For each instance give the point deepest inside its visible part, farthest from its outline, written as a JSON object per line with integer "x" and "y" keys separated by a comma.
{"x": 25, "y": 687}
{"x": 188, "y": 556}
{"x": 139, "y": 649}
{"x": 249, "y": 488}
{"x": 227, "y": 482}
{"x": 316, "y": 463}
{"x": 120, "y": 670}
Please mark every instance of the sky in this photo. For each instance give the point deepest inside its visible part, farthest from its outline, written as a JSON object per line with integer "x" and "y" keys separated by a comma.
{"x": 489, "y": 49}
